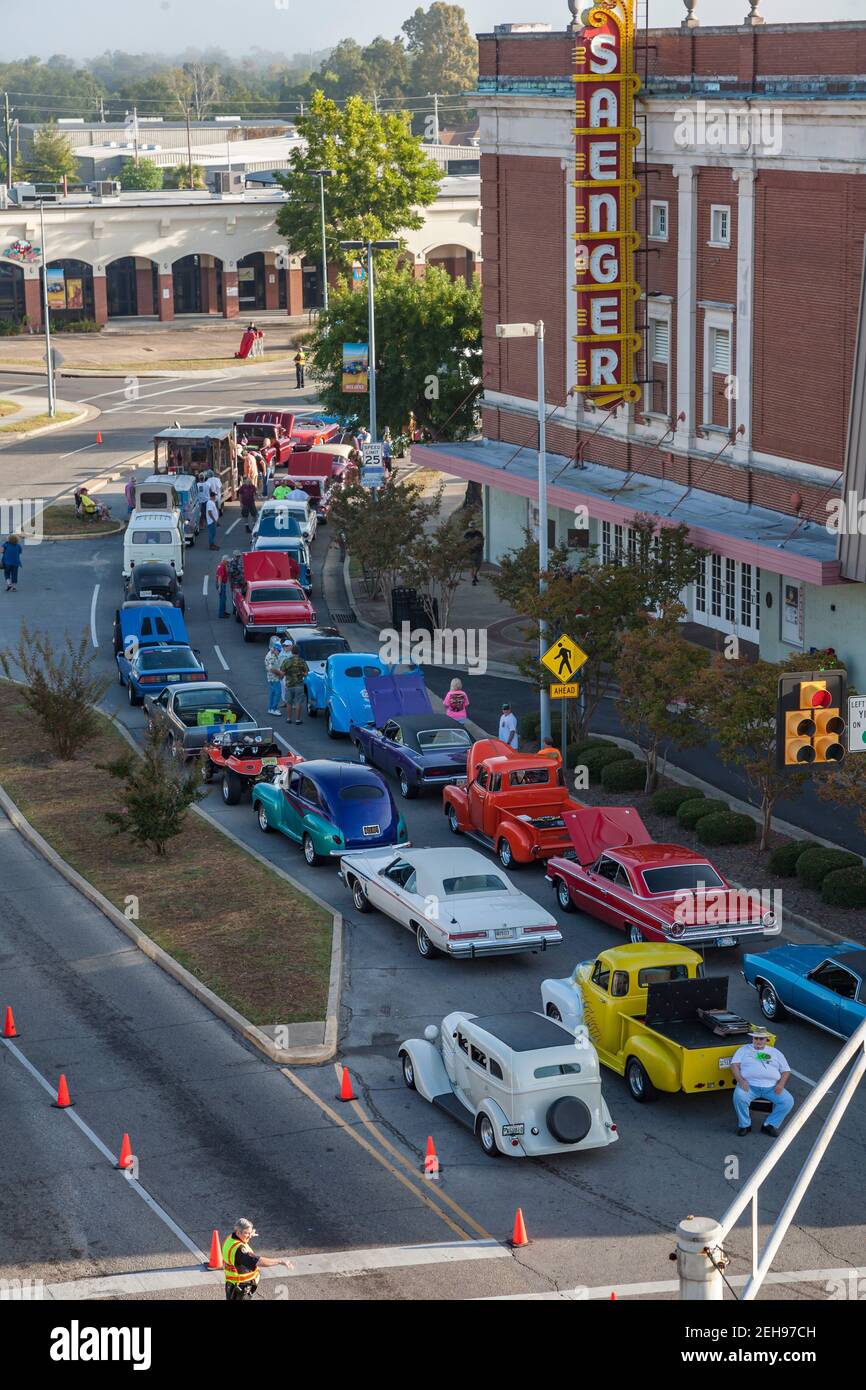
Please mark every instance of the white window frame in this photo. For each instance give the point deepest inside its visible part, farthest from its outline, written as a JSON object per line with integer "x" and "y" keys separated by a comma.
{"x": 660, "y": 313}
{"x": 716, "y": 319}
{"x": 719, "y": 209}
{"x": 665, "y": 208}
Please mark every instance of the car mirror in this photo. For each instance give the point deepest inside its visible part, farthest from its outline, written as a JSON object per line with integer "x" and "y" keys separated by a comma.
{"x": 431, "y": 1032}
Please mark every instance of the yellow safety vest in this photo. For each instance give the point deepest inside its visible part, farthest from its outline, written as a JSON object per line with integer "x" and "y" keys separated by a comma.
{"x": 231, "y": 1246}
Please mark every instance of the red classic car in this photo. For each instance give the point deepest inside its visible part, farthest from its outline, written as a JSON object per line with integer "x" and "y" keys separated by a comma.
{"x": 652, "y": 892}
{"x": 270, "y": 597}
{"x": 312, "y": 430}
{"x": 512, "y": 802}
{"x": 271, "y": 439}
{"x": 318, "y": 471}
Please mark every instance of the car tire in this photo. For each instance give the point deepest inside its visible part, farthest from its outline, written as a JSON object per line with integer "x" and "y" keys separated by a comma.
{"x": 233, "y": 788}
{"x": 568, "y": 1119}
{"x": 563, "y": 896}
{"x": 359, "y": 898}
{"x": 262, "y": 818}
{"x": 311, "y": 855}
{"x": 119, "y": 675}
{"x": 635, "y": 935}
{"x": 771, "y": 1005}
{"x": 408, "y": 1070}
{"x": 236, "y": 615}
{"x": 505, "y": 854}
{"x": 487, "y": 1136}
{"x": 329, "y": 727}
{"x": 362, "y": 757}
{"x": 312, "y": 711}
{"x": 639, "y": 1085}
{"x": 407, "y": 789}
{"x": 453, "y": 822}
{"x": 249, "y": 636}
{"x": 131, "y": 695}
{"x": 553, "y": 1012}
{"x": 426, "y": 949}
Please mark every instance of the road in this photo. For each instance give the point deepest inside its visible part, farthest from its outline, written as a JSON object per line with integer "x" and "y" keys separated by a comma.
{"x": 220, "y": 1131}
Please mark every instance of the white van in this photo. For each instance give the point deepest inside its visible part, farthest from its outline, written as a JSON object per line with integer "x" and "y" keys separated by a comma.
{"x": 153, "y": 536}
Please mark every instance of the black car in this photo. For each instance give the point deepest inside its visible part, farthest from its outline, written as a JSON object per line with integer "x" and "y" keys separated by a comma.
{"x": 154, "y": 580}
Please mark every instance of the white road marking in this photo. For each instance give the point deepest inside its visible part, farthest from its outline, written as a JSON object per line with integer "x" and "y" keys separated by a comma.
{"x": 808, "y": 1080}
{"x": 283, "y": 743}
{"x": 221, "y": 658}
{"x": 204, "y": 586}
{"x": 83, "y": 450}
{"x": 93, "y": 637}
{"x": 167, "y": 391}
{"x": 661, "y": 1286}
{"x": 88, "y": 1133}
{"x": 232, "y": 527}
{"x": 303, "y": 1266}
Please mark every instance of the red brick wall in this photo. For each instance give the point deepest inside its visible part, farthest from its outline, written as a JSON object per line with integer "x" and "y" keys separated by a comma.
{"x": 657, "y": 271}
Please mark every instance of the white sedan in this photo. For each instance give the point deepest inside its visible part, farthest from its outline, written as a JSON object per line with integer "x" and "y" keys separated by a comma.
{"x": 454, "y": 901}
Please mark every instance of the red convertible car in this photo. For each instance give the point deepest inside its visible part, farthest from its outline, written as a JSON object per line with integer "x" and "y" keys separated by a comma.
{"x": 270, "y": 598}
{"x": 312, "y": 430}
{"x": 652, "y": 892}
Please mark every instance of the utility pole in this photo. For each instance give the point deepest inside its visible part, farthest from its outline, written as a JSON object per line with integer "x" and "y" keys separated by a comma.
{"x": 435, "y": 96}
{"x": 8, "y": 140}
{"x": 189, "y": 147}
{"x": 49, "y": 363}
{"x": 135, "y": 133}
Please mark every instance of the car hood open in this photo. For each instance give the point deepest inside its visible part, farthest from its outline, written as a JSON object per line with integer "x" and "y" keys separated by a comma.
{"x": 594, "y": 829}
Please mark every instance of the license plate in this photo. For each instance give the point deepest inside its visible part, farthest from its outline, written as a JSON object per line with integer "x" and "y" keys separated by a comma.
{"x": 726, "y": 941}
{"x": 270, "y": 762}
{"x": 503, "y": 932}
{"x": 372, "y": 830}
{"x": 173, "y": 678}
{"x": 511, "y": 1130}
{"x": 725, "y": 1061}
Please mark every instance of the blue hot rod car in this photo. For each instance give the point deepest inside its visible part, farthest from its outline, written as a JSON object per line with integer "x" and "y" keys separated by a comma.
{"x": 822, "y": 984}
{"x": 152, "y": 650}
{"x": 341, "y": 690}
{"x": 421, "y": 749}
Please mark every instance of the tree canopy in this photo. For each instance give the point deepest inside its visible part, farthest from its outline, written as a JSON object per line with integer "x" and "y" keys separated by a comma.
{"x": 52, "y": 159}
{"x": 144, "y": 175}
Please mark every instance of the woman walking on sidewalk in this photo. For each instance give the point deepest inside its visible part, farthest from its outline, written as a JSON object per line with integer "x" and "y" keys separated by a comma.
{"x": 11, "y": 561}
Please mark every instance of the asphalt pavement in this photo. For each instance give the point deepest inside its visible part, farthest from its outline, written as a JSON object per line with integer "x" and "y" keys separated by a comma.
{"x": 221, "y": 1132}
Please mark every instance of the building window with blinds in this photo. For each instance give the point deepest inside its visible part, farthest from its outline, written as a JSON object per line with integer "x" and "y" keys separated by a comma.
{"x": 657, "y": 386}
{"x": 716, "y": 586}
{"x": 717, "y": 376}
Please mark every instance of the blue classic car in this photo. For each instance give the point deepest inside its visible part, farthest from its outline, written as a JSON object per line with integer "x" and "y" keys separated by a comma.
{"x": 153, "y": 651}
{"x": 296, "y": 548}
{"x": 329, "y": 808}
{"x": 341, "y": 690}
{"x": 825, "y": 985}
{"x": 421, "y": 749}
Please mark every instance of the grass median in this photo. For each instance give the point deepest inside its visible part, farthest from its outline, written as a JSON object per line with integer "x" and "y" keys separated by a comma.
{"x": 38, "y": 422}
{"x": 261, "y": 945}
{"x": 60, "y": 520}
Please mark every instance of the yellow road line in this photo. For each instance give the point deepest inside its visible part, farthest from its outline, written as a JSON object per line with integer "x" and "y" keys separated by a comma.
{"x": 374, "y": 1153}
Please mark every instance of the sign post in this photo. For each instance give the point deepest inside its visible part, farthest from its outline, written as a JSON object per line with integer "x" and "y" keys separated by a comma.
{"x": 563, "y": 659}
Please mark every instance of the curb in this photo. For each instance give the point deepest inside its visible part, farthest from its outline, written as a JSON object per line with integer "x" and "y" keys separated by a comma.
{"x": 73, "y": 373}
{"x": 17, "y": 436}
{"x": 86, "y": 535}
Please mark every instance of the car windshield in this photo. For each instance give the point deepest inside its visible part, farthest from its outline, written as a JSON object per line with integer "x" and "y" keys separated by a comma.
{"x": 176, "y": 659}
{"x": 360, "y": 791}
{"x": 443, "y": 738}
{"x": 678, "y": 878}
{"x": 289, "y": 591}
{"x": 281, "y": 523}
{"x": 661, "y": 974}
{"x": 474, "y": 883}
{"x": 321, "y": 649}
{"x": 153, "y": 537}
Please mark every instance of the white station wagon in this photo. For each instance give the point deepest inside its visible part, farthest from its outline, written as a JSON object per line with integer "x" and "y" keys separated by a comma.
{"x": 454, "y": 901}
{"x": 519, "y": 1081}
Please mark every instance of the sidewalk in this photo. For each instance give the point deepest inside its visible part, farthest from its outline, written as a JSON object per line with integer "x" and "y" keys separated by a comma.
{"x": 68, "y": 413}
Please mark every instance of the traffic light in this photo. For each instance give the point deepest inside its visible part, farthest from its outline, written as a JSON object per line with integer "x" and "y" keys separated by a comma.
{"x": 810, "y": 725}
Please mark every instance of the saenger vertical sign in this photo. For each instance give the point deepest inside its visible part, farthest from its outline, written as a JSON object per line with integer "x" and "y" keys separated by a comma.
{"x": 606, "y": 137}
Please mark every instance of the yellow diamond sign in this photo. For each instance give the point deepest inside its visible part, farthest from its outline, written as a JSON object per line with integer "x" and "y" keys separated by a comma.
{"x": 563, "y": 658}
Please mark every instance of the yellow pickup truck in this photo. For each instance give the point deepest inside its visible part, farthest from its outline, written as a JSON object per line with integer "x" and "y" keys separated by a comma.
{"x": 654, "y": 1017}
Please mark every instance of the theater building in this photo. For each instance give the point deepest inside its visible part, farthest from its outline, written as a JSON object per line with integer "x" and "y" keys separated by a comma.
{"x": 748, "y": 208}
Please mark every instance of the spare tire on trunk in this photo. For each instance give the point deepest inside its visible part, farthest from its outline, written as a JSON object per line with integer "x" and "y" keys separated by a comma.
{"x": 569, "y": 1120}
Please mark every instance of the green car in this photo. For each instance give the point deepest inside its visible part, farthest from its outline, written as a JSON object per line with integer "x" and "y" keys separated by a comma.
{"x": 330, "y": 808}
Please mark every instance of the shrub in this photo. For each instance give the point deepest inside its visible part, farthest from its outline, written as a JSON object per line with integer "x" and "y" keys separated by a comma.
{"x": 814, "y": 865}
{"x": 845, "y": 887}
{"x": 156, "y": 794}
{"x": 575, "y": 751}
{"x": 691, "y": 811}
{"x": 10, "y": 329}
{"x": 668, "y": 800}
{"x": 530, "y": 727}
{"x": 624, "y": 775}
{"x": 77, "y": 326}
{"x": 783, "y": 859}
{"x": 60, "y": 686}
{"x": 594, "y": 759}
{"x": 726, "y": 828}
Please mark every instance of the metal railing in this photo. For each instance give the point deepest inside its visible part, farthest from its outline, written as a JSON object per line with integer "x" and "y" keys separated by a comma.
{"x": 854, "y": 1048}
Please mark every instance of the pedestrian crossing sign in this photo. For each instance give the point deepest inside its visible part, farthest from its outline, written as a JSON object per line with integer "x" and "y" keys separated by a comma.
{"x": 565, "y": 692}
{"x": 564, "y": 658}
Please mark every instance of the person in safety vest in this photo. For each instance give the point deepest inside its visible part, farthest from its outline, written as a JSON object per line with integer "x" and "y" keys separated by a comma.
{"x": 241, "y": 1264}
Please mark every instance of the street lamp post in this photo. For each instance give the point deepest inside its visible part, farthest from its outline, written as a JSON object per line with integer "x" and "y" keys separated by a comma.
{"x": 370, "y": 247}
{"x": 49, "y": 364}
{"x": 536, "y": 331}
{"x": 321, "y": 175}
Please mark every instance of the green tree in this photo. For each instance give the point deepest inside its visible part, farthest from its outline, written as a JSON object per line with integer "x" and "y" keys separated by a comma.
{"x": 379, "y": 70}
{"x": 428, "y": 350}
{"x": 60, "y": 687}
{"x": 443, "y": 56}
{"x": 178, "y": 176}
{"x": 144, "y": 176}
{"x": 380, "y": 528}
{"x": 382, "y": 181}
{"x": 658, "y": 673}
{"x": 435, "y": 565}
{"x": 52, "y": 158}
{"x": 156, "y": 794}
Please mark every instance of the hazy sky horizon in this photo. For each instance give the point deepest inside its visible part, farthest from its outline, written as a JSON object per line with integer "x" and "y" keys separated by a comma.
{"x": 87, "y": 28}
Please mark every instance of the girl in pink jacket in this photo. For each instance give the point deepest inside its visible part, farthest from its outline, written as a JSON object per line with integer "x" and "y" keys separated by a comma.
{"x": 456, "y": 702}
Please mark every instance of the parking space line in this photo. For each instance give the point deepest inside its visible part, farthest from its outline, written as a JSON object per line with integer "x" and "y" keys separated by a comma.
{"x": 204, "y": 586}
{"x": 808, "y": 1080}
{"x": 221, "y": 658}
{"x": 235, "y": 523}
{"x": 93, "y": 637}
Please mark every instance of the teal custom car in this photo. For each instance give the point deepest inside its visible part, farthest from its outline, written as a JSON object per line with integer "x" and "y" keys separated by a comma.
{"x": 330, "y": 808}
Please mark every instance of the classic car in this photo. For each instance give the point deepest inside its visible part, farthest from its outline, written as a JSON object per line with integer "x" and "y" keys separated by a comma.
{"x": 177, "y": 493}
{"x": 317, "y": 471}
{"x": 454, "y": 901}
{"x": 654, "y": 1018}
{"x": 341, "y": 691}
{"x": 146, "y": 620}
{"x": 296, "y": 549}
{"x": 518, "y": 1081}
{"x": 825, "y": 985}
{"x": 278, "y": 523}
{"x": 268, "y": 599}
{"x": 196, "y": 451}
{"x": 309, "y": 431}
{"x": 652, "y": 892}
{"x": 329, "y": 807}
{"x": 190, "y": 717}
{"x": 257, "y": 429}
{"x": 154, "y": 580}
{"x": 316, "y": 644}
{"x": 407, "y": 740}
{"x": 512, "y": 802}
{"x": 241, "y": 758}
{"x": 152, "y": 650}
{"x": 302, "y": 509}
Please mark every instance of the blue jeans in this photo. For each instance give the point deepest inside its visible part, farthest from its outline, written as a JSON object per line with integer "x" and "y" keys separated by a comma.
{"x": 211, "y": 533}
{"x": 11, "y": 571}
{"x": 274, "y": 689}
{"x": 782, "y": 1105}
{"x": 223, "y": 591}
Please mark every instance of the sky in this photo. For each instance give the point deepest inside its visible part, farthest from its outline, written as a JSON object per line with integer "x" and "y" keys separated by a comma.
{"x": 85, "y": 28}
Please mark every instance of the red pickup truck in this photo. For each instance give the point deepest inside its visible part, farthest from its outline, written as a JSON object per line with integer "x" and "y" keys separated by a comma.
{"x": 512, "y": 802}
{"x": 275, "y": 425}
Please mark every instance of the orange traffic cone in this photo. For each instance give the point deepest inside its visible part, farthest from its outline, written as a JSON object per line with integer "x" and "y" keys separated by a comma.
{"x": 62, "y": 1102}
{"x": 346, "y": 1092}
{"x": 518, "y": 1235}
{"x": 431, "y": 1162}
{"x": 125, "y": 1160}
{"x": 613, "y": 1295}
{"x": 216, "y": 1252}
{"x": 99, "y": 436}
{"x": 9, "y": 1026}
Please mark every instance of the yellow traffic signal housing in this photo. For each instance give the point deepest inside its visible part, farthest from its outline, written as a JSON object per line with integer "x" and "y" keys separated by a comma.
{"x": 810, "y": 723}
